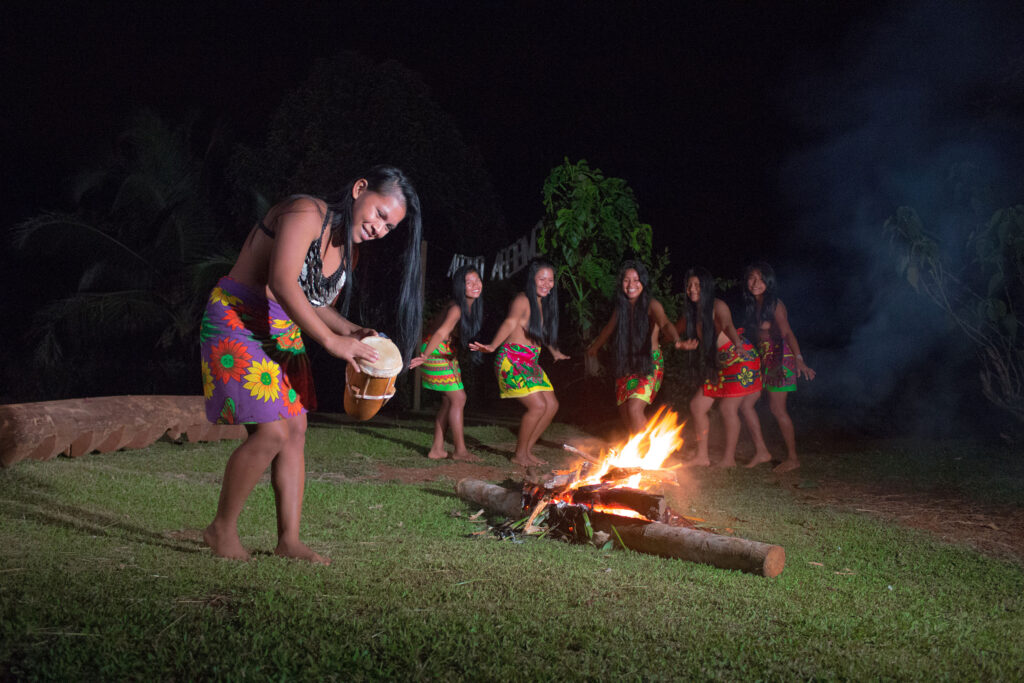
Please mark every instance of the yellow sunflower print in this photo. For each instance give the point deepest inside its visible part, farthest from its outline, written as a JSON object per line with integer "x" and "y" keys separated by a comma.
{"x": 207, "y": 380}
{"x": 218, "y": 295}
{"x": 262, "y": 380}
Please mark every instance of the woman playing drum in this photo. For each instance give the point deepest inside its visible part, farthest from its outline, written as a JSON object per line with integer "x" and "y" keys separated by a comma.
{"x": 532, "y": 321}
{"x": 285, "y": 282}
{"x": 461, "y": 318}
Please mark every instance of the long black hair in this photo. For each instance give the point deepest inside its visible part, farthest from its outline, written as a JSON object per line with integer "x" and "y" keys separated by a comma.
{"x": 633, "y": 330}
{"x": 387, "y": 181}
{"x": 544, "y": 317}
{"x": 471, "y": 316}
{"x": 753, "y": 318}
{"x": 703, "y": 310}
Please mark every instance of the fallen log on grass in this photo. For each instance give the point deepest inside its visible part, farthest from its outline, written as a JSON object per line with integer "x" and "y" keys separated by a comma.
{"x": 494, "y": 499}
{"x": 74, "y": 427}
{"x": 694, "y": 545}
{"x": 655, "y": 538}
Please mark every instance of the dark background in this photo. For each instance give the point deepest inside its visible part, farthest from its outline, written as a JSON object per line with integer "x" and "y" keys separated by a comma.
{"x": 786, "y": 131}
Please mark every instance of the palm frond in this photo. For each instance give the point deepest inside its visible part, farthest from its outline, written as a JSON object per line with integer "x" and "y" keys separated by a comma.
{"x": 58, "y": 230}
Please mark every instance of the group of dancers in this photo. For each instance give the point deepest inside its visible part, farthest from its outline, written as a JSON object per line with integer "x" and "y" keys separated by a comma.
{"x": 733, "y": 370}
{"x": 290, "y": 274}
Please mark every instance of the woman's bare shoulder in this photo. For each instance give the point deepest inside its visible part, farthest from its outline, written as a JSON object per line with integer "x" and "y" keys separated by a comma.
{"x": 300, "y": 209}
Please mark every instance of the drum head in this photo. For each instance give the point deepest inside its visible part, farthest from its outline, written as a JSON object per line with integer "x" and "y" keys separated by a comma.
{"x": 389, "y": 360}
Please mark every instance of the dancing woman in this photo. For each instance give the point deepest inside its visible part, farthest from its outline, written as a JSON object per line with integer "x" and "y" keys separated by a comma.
{"x": 532, "y": 322}
{"x": 287, "y": 278}
{"x": 730, "y": 367}
{"x": 781, "y": 360}
{"x": 639, "y": 365}
{"x": 461, "y": 318}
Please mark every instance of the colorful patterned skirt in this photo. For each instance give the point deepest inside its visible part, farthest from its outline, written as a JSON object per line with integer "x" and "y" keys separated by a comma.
{"x": 778, "y": 365}
{"x": 737, "y": 376}
{"x": 441, "y": 368}
{"x": 255, "y": 367}
{"x": 518, "y": 371}
{"x": 643, "y": 387}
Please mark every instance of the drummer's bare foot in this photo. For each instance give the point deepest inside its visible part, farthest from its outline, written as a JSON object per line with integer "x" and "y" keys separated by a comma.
{"x": 298, "y": 550}
{"x": 698, "y": 461}
{"x": 537, "y": 461}
{"x": 224, "y": 544}
{"x": 465, "y": 456}
{"x": 726, "y": 463}
{"x": 787, "y": 465}
{"x": 759, "y": 458}
{"x": 523, "y": 460}
{"x": 437, "y": 454}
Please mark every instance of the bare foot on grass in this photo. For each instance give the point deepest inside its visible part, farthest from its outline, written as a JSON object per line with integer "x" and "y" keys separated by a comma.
{"x": 298, "y": 550}
{"x": 787, "y": 465}
{"x": 759, "y": 458}
{"x": 437, "y": 454}
{"x": 224, "y": 545}
{"x": 726, "y": 463}
{"x": 465, "y": 456}
{"x": 698, "y": 461}
{"x": 522, "y": 460}
{"x": 537, "y": 461}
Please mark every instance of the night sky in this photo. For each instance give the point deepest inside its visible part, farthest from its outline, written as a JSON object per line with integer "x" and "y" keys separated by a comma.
{"x": 780, "y": 130}
{"x": 677, "y": 98}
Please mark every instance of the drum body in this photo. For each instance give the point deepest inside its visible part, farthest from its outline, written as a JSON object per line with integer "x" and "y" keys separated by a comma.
{"x": 365, "y": 394}
{"x": 369, "y": 386}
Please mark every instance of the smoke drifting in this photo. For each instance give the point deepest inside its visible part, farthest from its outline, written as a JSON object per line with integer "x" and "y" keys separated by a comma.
{"x": 920, "y": 90}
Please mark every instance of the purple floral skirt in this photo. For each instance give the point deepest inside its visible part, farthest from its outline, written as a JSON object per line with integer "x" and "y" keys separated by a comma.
{"x": 255, "y": 367}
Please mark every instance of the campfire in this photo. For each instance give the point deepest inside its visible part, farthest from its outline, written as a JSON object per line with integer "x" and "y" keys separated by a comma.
{"x": 614, "y": 499}
{"x": 622, "y": 482}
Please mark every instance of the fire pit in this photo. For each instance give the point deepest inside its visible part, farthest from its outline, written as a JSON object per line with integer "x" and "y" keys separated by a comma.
{"x": 616, "y": 494}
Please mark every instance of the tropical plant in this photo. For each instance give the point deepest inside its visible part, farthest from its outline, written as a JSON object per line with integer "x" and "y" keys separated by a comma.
{"x": 978, "y": 280}
{"x": 592, "y": 225}
{"x": 136, "y": 254}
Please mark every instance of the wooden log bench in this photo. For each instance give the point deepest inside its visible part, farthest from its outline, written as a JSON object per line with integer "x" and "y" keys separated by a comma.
{"x": 75, "y": 427}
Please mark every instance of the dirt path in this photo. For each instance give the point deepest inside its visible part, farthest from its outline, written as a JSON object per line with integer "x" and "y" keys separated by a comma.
{"x": 996, "y": 530}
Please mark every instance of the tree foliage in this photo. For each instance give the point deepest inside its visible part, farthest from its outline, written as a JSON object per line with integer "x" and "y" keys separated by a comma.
{"x": 351, "y": 114}
{"x": 977, "y": 278}
{"x": 136, "y": 256}
{"x": 592, "y": 225}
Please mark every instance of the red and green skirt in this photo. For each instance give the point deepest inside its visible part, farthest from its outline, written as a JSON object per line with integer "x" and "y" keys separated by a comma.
{"x": 254, "y": 364}
{"x": 519, "y": 373}
{"x": 778, "y": 365}
{"x": 738, "y": 375}
{"x": 440, "y": 371}
{"x": 643, "y": 387}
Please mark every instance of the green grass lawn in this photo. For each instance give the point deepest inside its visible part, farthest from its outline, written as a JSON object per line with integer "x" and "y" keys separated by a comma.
{"x": 102, "y": 577}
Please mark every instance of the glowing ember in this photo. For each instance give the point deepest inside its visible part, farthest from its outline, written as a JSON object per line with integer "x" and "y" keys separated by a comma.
{"x": 617, "y": 510}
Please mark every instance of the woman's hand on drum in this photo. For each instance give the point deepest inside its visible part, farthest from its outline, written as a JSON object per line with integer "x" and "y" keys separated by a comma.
{"x": 364, "y": 332}
{"x": 479, "y": 346}
{"x": 350, "y": 349}
{"x": 687, "y": 344}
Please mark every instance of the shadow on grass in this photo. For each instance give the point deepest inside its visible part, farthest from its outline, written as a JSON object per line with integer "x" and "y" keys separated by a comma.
{"x": 382, "y": 433}
{"x": 35, "y": 505}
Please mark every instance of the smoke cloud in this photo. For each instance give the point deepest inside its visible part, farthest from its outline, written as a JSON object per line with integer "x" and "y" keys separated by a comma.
{"x": 901, "y": 101}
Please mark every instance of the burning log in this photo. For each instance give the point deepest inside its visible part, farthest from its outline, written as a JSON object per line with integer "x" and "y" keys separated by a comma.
{"x": 656, "y": 538}
{"x": 644, "y": 503}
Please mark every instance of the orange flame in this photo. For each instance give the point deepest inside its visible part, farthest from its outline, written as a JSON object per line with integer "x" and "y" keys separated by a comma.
{"x": 647, "y": 450}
